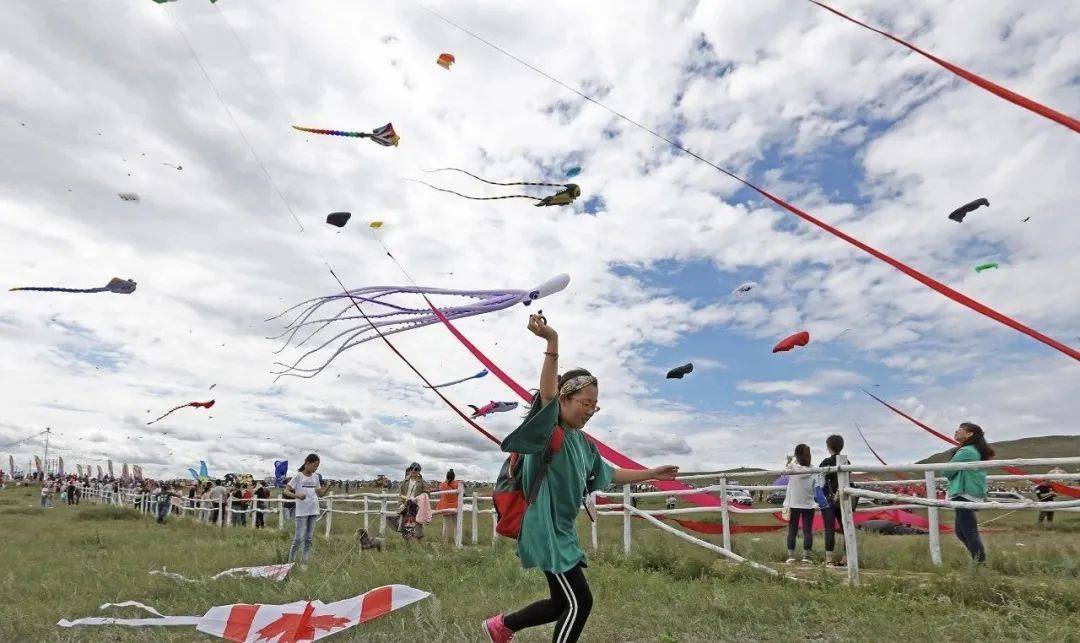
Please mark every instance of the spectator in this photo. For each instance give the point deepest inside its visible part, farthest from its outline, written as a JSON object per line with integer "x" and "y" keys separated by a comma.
{"x": 162, "y": 498}
{"x": 969, "y": 485}
{"x": 800, "y": 503}
{"x": 261, "y": 494}
{"x": 411, "y": 487}
{"x": 450, "y": 499}
{"x": 306, "y": 487}
{"x": 830, "y": 513}
{"x": 1045, "y": 493}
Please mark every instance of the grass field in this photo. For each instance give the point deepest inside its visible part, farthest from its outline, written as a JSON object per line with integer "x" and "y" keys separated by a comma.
{"x": 64, "y": 562}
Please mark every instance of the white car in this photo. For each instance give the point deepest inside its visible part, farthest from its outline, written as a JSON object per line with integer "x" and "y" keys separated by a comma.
{"x": 740, "y": 496}
{"x": 1005, "y": 496}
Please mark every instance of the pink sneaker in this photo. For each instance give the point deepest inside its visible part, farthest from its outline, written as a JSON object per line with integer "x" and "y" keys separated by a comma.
{"x": 497, "y": 630}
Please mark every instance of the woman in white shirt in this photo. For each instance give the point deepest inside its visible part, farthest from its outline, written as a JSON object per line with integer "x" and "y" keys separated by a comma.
{"x": 800, "y": 503}
{"x": 306, "y": 487}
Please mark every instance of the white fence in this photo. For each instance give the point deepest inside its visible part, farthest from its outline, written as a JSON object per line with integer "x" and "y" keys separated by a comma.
{"x": 930, "y": 503}
{"x": 368, "y": 505}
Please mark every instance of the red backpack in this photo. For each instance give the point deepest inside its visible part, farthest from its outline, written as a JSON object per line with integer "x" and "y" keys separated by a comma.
{"x": 510, "y": 498}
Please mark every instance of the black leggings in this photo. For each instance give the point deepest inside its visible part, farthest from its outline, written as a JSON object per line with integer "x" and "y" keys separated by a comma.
{"x": 569, "y": 607}
{"x": 807, "y": 517}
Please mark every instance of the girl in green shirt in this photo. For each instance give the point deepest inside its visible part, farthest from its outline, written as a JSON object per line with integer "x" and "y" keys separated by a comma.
{"x": 548, "y": 537}
{"x": 969, "y": 485}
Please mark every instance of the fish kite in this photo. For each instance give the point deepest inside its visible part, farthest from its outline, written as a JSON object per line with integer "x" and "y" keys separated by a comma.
{"x": 678, "y": 372}
{"x": 744, "y": 288}
{"x": 385, "y": 135}
{"x": 565, "y": 196}
{"x": 985, "y": 266}
{"x": 288, "y": 623}
{"x": 353, "y": 329}
{"x": 801, "y": 338}
{"x": 116, "y": 285}
{"x": 958, "y": 214}
{"x": 338, "y": 219}
{"x": 492, "y": 407}
{"x": 482, "y": 373}
{"x": 128, "y": 196}
{"x": 201, "y": 405}
{"x": 445, "y": 60}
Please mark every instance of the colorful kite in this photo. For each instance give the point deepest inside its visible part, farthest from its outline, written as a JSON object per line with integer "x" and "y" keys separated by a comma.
{"x": 116, "y": 285}
{"x": 678, "y": 372}
{"x": 338, "y": 219}
{"x": 385, "y": 135}
{"x": 396, "y": 319}
{"x": 445, "y": 60}
{"x": 289, "y": 623}
{"x": 201, "y": 405}
{"x": 565, "y": 196}
{"x": 985, "y": 266}
{"x": 801, "y": 338}
{"x": 482, "y": 373}
{"x": 958, "y": 214}
{"x": 492, "y": 407}
{"x": 375, "y": 224}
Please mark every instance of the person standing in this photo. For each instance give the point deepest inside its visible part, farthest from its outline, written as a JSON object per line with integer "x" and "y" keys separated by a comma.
{"x": 969, "y": 485}
{"x": 305, "y": 488}
{"x": 830, "y": 513}
{"x": 411, "y": 487}
{"x": 800, "y": 503}
{"x": 162, "y": 498}
{"x": 261, "y": 494}
{"x": 449, "y": 499}
{"x": 1045, "y": 493}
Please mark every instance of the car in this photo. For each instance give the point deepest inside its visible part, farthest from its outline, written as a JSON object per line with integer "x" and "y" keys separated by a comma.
{"x": 777, "y": 497}
{"x": 1005, "y": 496}
{"x": 740, "y": 496}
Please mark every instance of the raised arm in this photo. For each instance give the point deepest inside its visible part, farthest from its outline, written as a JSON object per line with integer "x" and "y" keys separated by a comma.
{"x": 549, "y": 373}
{"x": 630, "y": 476}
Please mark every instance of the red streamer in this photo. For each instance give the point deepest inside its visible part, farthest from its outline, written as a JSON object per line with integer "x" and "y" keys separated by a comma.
{"x": 993, "y": 88}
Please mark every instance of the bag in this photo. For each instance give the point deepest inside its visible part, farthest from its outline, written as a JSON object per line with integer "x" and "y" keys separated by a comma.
{"x": 510, "y": 498}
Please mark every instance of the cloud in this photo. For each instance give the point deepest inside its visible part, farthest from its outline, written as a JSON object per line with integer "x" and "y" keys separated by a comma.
{"x": 820, "y": 381}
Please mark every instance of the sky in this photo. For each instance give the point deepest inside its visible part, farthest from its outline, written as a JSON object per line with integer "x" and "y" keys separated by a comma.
{"x": 840, "y": 121}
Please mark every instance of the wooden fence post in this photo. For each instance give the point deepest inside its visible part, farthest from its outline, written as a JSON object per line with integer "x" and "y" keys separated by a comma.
{"x": 280, "y": 514}
{"x": 851, "y": 544}
{"x": 593, "y": 536}
{"x": 228, "y": 511}
{"x": 382, "y": 517}
{"x": 329, "y": 514}
{"x": 365, "y": 511}
{"x": 626, "y": 519}
{"x": 475, "y": 518}
{"x": 932, "y": 515}
{"x": 459, "y": 523}
{"x": 725, "y": 519}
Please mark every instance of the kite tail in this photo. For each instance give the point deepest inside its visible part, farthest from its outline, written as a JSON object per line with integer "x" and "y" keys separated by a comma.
{"x": 52, "y": 289}
{"x": 456, "y": 169}
{"x": 332, "y": 132}
{"x": 867, "y": 443}
{"x": 478, "y": 198}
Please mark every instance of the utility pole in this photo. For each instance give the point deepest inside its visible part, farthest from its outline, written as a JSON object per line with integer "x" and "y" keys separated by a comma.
{"x": 47, "y": 431}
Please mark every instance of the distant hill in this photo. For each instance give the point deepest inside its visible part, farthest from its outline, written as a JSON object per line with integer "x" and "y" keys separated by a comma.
{"x": 1047, "y": 446}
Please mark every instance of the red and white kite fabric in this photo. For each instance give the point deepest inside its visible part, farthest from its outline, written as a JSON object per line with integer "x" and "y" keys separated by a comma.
{"x": 273, "y": 572}
{"x": 289, "y": 623}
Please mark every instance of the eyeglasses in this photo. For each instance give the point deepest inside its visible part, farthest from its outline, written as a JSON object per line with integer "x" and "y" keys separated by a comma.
{"x": 588, "y": 406}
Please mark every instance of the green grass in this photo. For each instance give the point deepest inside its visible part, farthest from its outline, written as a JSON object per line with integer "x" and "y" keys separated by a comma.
{"x": 55, "y": 564}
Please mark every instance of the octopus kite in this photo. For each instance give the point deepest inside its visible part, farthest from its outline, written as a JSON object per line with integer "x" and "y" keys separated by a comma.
{"x": 201, "y": 405}
{"x": 353, "y": 330}
{"x": 565, "y": 196}
{"x": 116, "y": 285}
{"x": 385, "y": 135}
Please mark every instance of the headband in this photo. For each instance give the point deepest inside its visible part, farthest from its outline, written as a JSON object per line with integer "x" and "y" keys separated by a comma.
{"x": 575, "y": 384}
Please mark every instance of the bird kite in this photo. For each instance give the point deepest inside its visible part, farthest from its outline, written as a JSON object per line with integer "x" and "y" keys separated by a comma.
{"x": 338, "y": 219}
{"x": 288, "y": 623}
{"x": 801, "y": 338}
{"x": 385, "y": 135}
{"x": 958, "y": 214}
{"x": 985, "y": 266}
{"x": 565, "y": 196}
{"x": 392, "y": 318}
{"x": 201, "y": 405}
{"x": 116, "y": 285}
{"x": 445, "y": 60}
{"x": 678, "y": 372}
{"x": 492, "y": 407}
{"x": 482, "y": 373}
{"x": 744, "y": 288}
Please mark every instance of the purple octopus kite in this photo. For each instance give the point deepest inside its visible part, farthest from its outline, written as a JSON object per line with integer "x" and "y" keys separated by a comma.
{"x": 396, "y": 319}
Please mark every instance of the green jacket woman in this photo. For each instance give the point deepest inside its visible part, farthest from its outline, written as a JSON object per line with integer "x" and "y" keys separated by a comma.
{"x": 969, "y": 485}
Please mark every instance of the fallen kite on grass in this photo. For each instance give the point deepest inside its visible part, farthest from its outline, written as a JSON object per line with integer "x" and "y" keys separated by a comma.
{"x": 273, "y": 572}
{"x": 201, "y": 405}
{"x": 115, "y": 285}
{"x": 289, "y": 623}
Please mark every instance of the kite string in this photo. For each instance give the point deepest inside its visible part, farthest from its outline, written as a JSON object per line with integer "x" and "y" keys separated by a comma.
{"x": 902, "y": 267}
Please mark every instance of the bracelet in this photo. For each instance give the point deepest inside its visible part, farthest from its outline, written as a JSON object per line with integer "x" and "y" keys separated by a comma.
{"x": 555, "y": 355}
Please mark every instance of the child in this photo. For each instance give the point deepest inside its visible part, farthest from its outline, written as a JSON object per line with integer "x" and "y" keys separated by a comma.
{"x": 969, "y": 485}
{"x": 830, "y": 513}
{"x": 800, "y": 503}
{"x": 548, "y": 537}
{"x": 449, "y": 499}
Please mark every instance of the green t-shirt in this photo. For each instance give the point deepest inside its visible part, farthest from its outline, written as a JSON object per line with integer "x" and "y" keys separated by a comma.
{"x": 549, "y": 537}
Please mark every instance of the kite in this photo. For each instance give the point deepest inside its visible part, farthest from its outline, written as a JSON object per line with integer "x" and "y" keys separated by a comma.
{"x": 572, "y": 172}
{"x": 385, "y": 135}
{"x": 273, "y": 572}
{"x": 201, "y": 405}
{"x": 801, "y": 338}
{"x": 565, "y": 196}
{"x": 744, "y": 288}
{"x": 116, "y": 285}
{"x": 958, "y": 214}
{"x": 985, "y": 266}
{"x": 177, "y": 167}
{"x": 678, "y": 372}
{"x": 375, "y": 224}
{"x": 492, "y": 407}
{"x": 445, "y": 60}
{"x": 288, "y": 623}
{"x": 1025, "y": 219}
{"x": 396, "y": 319}
{"x": 867, "y": 443}
{"x": 338, "y": 219}
{"x": 128, "y": 196}
{"x": 482, "y": 373}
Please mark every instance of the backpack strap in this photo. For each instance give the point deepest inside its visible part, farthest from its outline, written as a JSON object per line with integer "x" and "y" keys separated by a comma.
{"x": 552, "y": 449}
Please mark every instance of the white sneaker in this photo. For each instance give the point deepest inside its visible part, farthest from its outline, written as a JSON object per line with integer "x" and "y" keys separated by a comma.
{"x": 789, "y": 561}
{"x": 807, "y": 561}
